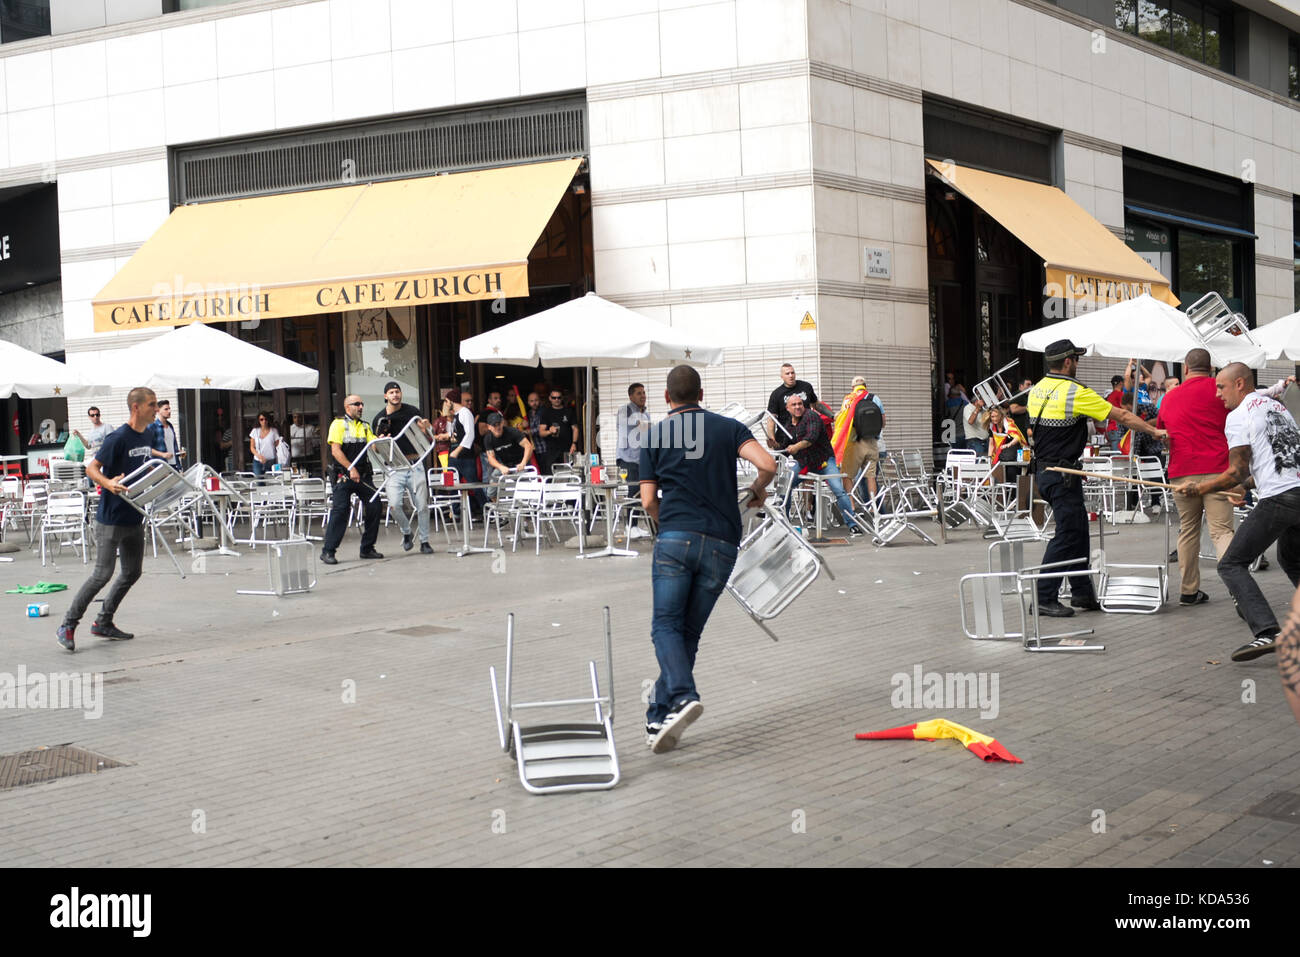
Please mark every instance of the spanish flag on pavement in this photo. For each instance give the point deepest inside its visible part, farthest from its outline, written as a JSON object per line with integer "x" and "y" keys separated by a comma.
{"x": 979, "y": 744}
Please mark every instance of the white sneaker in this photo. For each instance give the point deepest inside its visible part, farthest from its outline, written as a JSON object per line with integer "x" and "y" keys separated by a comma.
{"x": 635, "y": 532}
{"x": 677, "y": 721}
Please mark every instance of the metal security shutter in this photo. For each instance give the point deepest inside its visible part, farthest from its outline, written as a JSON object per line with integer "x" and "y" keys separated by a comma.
{"x": 388, "y": 149}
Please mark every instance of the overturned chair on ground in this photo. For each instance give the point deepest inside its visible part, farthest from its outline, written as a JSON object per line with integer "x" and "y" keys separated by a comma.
{"x": 998, "y": 600}
{"x": 561, "y": 756}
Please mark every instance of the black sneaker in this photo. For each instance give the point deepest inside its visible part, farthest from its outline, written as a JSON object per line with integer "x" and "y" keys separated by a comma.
{"x": 426, "y": 548}
{"x": 855, "y": 532}
{"x": 408, "y": 542}
{"x": 106, "y": 629}
{"x": 652, "y": 730}
{"x": 1200, "y": 598}
{"x": 1263, "y": 563}
{"x": 66, "y": 637}
{"x": 328, "y": 558}
{"x": 1085, "y": 604}
{"x": 1173, "y": 557}
{"x": 1054, "y": 609}
{"x": 371, "y": 553}
{"x": 677, "y": 721}
{"x": 1263, "y": 645}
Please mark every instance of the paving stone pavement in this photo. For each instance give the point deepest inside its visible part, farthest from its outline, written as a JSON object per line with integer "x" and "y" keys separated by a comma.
{"x": 229, "y": 710}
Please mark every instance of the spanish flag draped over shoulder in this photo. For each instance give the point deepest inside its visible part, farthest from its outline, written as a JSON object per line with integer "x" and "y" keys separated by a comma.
{"x": 1013, "y": 430}
{"x": 978, "y": 744}
{"x": 844, "y": 421}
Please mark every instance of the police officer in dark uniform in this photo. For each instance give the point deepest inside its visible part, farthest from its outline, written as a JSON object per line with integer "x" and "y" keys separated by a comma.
{"x": 348, "y": 435}
{"x": 1059, "y": 406}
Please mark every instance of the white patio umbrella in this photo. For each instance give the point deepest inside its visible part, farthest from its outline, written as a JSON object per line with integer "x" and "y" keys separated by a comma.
{"x": 1281, "y": 337}
{"x": 1145, "y": 328}
{"x": 34, "y": 376}
{"x": 590, "y": 331}
{"x": 200, "y": 357}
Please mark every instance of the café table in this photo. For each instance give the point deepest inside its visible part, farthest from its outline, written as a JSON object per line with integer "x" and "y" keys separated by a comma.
{"x": 608, "y": 488}
{"x": 464, "y": 488}
{"x": 819, "y": 483}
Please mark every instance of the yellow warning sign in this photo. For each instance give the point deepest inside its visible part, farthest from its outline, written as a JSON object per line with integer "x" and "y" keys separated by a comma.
{"x": 808, "y": 322}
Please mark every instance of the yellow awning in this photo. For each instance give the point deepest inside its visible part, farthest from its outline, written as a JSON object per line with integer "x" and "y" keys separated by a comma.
{"x": 401, "y": 243}
{"x": 1084, "y": 259}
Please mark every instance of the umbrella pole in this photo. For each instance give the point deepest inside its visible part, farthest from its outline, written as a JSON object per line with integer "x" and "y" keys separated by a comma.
{"x": 587, "y": 416}
{"x": 198, "y": 428}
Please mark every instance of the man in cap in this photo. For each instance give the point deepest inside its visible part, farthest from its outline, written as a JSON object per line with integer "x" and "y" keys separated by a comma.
{"x": 1059, "y": 406}
{"x": 412, "y": 481}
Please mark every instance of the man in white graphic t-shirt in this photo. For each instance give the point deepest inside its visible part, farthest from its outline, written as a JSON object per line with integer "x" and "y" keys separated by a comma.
{"x": 1263, "y": 453}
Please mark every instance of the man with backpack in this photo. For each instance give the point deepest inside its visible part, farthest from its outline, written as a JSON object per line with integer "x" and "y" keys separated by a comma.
{"x": 856, "y": 437}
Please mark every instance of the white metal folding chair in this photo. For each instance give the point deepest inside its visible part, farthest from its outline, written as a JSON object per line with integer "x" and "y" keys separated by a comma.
{"x": 64, "y": 521}
{"x": 559, "y": 756}
{"x": 310, "y": 501}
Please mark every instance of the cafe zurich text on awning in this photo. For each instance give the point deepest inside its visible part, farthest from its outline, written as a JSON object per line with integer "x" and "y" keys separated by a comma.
{"x": 404, "y": 242}
{"x": 1084, "y": 260}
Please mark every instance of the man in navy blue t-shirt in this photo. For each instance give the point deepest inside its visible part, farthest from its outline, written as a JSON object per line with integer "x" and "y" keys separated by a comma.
{"x": 119, "y": 528}
{"x": 691, "y": 457}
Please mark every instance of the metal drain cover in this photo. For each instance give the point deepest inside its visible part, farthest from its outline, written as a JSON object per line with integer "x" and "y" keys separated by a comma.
{"x": 46, "y": 764}
{"x": 1281, "y": 806}
{"x": 421, "y": 631}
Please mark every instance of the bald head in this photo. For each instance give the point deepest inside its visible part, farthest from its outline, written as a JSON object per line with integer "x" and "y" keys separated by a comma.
{"x": 1233, "y": 383}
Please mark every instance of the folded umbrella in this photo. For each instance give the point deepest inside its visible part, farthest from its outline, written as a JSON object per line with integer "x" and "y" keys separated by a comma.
{"x": 979, "y": 744}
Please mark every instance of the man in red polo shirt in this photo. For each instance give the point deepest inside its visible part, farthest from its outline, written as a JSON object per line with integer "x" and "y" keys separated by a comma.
{"x": 1194, "y": 417}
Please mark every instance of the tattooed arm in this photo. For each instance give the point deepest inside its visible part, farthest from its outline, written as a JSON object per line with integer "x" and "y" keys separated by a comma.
{"x": 1288, "y": 656}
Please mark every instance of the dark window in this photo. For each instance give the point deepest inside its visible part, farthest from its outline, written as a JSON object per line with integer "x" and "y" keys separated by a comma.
{"x": 1293, "y": 68}
{"x": 24, "y": 19}
{"x": 1191, "y": 28}
{"x": 1295, "y": 242}
{"x": 968, "y": 137}
{"x": 178, "y": 6}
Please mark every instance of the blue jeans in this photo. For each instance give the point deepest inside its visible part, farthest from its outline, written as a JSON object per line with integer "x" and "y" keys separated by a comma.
{"x": 834, "y": 483}
{"x": 690, "y": 571}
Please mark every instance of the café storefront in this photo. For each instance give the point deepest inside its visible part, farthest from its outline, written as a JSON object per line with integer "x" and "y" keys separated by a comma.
{"x": 366, "y": 283}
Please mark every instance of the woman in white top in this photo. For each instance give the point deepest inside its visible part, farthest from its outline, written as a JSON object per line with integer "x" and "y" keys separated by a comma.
{"x": 261, "y": 443}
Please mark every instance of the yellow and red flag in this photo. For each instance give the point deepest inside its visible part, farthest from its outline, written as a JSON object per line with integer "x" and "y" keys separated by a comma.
{"x": 999, "y": 440}
{"x": 844, "y": 421}
{"x": 979, "y": 744}
{"x": 1126, "y": 443}
{"x": 1013, "y": 430}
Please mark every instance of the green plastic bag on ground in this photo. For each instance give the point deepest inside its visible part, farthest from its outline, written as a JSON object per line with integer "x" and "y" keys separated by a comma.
{"x": 40, "y": 588}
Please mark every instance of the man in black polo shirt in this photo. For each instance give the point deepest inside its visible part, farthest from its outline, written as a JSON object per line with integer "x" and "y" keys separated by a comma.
{"x": 691, "y": 457}
{"x": 119, "y": 528}
{"x": 559, "y": 427}
{"x": 414, "y": 482}
{"x": 506, "y": 449}
{"x": 779, "y": 438}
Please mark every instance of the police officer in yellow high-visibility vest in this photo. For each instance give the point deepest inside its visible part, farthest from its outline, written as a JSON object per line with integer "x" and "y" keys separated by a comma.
{"x": 1059, "y": 406}
{"x": 347, "y": 438}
